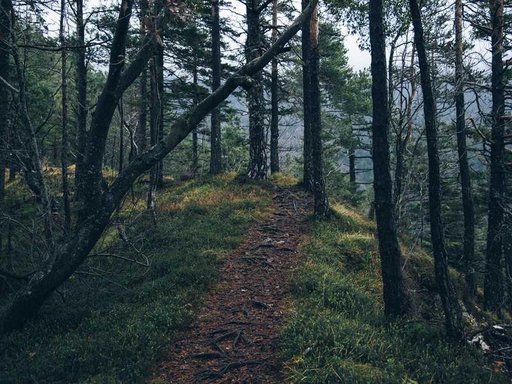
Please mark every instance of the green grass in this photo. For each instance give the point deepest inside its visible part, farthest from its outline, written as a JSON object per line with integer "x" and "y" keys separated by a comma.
{"x": 337, "y": 332}
{"x": 114, "y": 320}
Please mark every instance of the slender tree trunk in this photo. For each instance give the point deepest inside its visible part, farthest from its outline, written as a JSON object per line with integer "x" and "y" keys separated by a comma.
{"x": 121, "y": 136}
{"x": 320, "y": 194}
{"x": 451, "y": 307}
{"x": 396, "y": 300}
{"x": 215, "y": 144}
{"x": 253, "y": 50}
{"x": 5, "y": 32}
{"x": 274, "y": 90}
{"x": 465, "y": 177}
{"x": 493, "y": 293}
{"x": 306, "y": 53}
{"x": 64, "y": 127}
{"x": 195, "y": 156}
{"x": 156, "y": 109}
{"x": 81, "y": 107}
{"x": 140, "y": 132}
{"x": 352, "y": 162}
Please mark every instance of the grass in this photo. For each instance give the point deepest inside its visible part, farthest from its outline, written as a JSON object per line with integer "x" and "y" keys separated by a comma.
{"x": 114, "y": 320}
{"x": 337, "y": 332}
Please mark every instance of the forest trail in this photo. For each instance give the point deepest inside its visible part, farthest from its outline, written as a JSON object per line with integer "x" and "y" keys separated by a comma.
{"x": 235, "y": 336}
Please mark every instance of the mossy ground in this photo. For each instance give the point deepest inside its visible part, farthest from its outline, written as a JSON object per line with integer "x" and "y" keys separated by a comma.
{"x": 337, "y": 332}
{"x": 114, "y": 320}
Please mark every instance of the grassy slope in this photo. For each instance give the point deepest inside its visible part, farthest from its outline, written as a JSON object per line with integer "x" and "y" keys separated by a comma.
{"x": 337, "y": 333}
{"x": 114, "y": 328}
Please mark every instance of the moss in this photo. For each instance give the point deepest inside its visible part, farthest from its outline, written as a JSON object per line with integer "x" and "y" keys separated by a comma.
{"x": 337, "y": 332}
{"x": 115, "y": 325}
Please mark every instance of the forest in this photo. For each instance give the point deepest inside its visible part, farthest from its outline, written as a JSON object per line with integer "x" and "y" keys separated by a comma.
{"x": 255, "y": 191}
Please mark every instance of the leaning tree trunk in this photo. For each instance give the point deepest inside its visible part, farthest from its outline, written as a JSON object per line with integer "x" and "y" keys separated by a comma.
{"x": 306, "y": 53}
{"x": 215, "y": 138}
{"x": 451, "y": 307}
{"x": 321, "y": 202}
{"x": 493, "y": 293}
{"x": 274, "y": 91}
{"x": 396, "y": 300}
{"x": 256, "y": 104}
{"x": 465, "y": 177}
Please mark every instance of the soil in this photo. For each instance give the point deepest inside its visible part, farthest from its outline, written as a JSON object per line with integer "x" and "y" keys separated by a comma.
{"x": 235, "y": 337}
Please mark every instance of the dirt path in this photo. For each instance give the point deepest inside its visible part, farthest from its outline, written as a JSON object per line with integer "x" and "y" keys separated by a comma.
{"x": 234, "y": 339}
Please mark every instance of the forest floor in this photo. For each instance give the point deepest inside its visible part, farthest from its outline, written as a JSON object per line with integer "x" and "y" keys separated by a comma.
{"x": 235, "y": 336}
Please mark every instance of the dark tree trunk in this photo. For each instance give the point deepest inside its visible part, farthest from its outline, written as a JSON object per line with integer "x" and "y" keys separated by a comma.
{"x": 156, "y": 122}
{"x": 64, "y": 127}
{"x": 81, "y": 102}
{"x": 396, "y": 300}
{"x": 306, "y": 53}
{"x": 451, "y": 307}
{"x": 465, "y": 177}
{"x": 274, "y": 90}
{"x": 121, "y": 136}
{"x": 253, "y": 50}
{"x": 5, "y": 32}
{"x": 140, "y": 133}
{"x": 71, "y": 254}
{"x": 320, "y": 194}
{"x": 493, "y": 293}
{"x": 352, "y": 164}
{"x": 215, "y": 143}
{"x": 195, "y": 156}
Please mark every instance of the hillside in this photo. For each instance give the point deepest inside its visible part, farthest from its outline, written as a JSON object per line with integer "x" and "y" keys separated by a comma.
{"x": 116, "y": 320}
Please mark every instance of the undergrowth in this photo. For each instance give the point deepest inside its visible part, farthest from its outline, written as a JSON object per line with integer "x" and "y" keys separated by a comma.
{"x": 114, "y": 319}
{"x": 337, "y": 332}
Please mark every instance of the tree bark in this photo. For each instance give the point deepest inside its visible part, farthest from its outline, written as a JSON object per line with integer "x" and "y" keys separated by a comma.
{"x": 321, "y": 201}
{"x": 396, "y": 299}
{"x": 215, "y": 143}
{"x": 253, "y": 50}
{"x": 81, "y": 99}
{"x": 306, "y": 53}
{"x": 451, "y": 307}
{"x": 156, "y": 121}
{"x": 64, "y": 126}
{"x": 70, "y": 255}
{"x": 274, "y": 91}
{"x": 465, "y": 177}
{"x": 493, "y": 287}
{"x": 5, "y": 33}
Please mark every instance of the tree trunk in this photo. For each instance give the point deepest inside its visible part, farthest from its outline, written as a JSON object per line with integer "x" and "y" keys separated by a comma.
{"x": 451, "y": 307}
{"x": 320, "y": 195}
{"x": 253, "y": 50}
{"x": 64, "y": 127}
{"x": 465, "y": 177}
{"x": 274, "y": 90}
{"x": 215, "y": 144}
{"x": 121, "y": 136}
{"x": 396, "y": 300}
{"x": 306, "y": 53}
{"x": 81, "y": 102}
{"x": 493, "y": 293}
{"x": 5, "y": 32}
{"x": 195, "y": 156}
